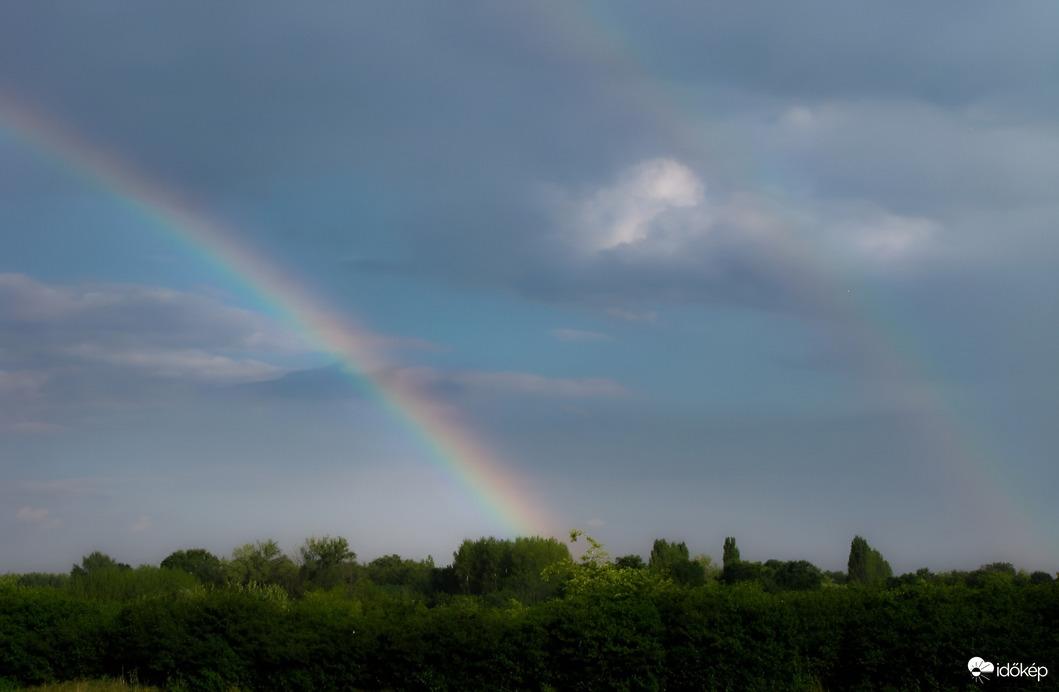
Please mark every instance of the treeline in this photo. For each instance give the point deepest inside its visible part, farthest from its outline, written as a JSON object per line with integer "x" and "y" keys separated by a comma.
{"x": 520, "y": 615}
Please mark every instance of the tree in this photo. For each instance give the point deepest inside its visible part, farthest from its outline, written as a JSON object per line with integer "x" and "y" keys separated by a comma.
{"x": 490, "y": 565}
{"x": 478, "y": 565}
{"x": 739, "y": 571}
{"x": 665, "y": 554}
{"x": 630, "y": 562}
{"x": 731, "y": 552}
{"x": 798, "y": 575}
{"x": 709, "y": 569}
{"x": 866, "y": 566}
{"x": 326, "y": 561}
{"x": 262, "y": 563}
{"x": 528, "y": 558}
{"x": 198, "y": 562}
{"x": 94, "y": 562}
{"x": 673, "y": 559}
{"x": 410, "y": 578}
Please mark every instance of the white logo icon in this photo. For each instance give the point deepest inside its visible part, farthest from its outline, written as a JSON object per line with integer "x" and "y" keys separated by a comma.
{"x": 979, "y": 668}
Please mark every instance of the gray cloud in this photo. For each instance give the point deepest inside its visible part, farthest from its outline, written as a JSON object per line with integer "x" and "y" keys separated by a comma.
{"x": 92, "y": 319}
{"x": 818, "y": 97}
{"x": 117, "y": 344}
{"x": 335, "y": 382}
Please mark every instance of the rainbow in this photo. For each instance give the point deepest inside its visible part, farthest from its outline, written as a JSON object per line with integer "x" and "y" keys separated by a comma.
{"x": 953, "y": 446}
{"x": 496, "y": 489}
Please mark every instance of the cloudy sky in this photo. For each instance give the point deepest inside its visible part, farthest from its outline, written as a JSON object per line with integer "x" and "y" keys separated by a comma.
{"x": 412, "y": 273}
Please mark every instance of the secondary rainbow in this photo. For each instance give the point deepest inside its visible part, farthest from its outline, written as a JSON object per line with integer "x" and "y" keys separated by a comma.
{"x": 954, "y": 445}
{"x": 493, "y": 487}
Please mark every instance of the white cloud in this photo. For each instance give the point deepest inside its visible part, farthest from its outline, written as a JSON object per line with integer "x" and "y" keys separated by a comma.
{"x": 891, "y": 236}
{"x": 871, "y": 237}
{"x": 626, "y": 212}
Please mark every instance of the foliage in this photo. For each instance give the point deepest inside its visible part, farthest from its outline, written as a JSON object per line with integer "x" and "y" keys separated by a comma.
{"x": 731, "y": 552}
{"x": 798, "y": 575}
{"x": 263, "y": 563}
{"x": 507, "y": 569}
{"x": 738, "y": 572}
{"x": 866, "y": 566}
{"x": 200, "y": 563}
{"x": 56, "y": 581}
{"x": 121, "y": 584}
{"x": 710, "y": 570}
{"x": 47, "y": 636}
{"x": 611, "y": 625}
{"x": 630, "y": 562}
{"x": 674, "y": 560}
{"x": 96, "y": 561}
{"x": 327, "y": 562}
{"x": 411, "y": 579}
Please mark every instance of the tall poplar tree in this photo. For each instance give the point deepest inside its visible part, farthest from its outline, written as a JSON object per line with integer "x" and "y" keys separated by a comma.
{"x": 731, "y": 552}
{"x": 866, "y": 565}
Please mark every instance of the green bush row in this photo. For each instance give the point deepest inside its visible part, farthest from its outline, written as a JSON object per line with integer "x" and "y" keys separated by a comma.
{"x": 612, "y": 629}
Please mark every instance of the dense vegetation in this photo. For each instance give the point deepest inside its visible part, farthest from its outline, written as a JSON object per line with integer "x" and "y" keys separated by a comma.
{"x": 521, "y": 615}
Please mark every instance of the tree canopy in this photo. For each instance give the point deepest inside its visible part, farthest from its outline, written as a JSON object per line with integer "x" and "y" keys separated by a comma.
{"x": 866, "y": 565}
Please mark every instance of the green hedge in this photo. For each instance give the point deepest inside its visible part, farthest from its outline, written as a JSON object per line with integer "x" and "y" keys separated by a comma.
{"x": 615, "y": 633}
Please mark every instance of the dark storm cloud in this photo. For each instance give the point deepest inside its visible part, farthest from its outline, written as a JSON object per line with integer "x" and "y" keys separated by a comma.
{"x": 948, "y": 53}
{"x": 217, "y": 97}
{"x": 463, "y": 117}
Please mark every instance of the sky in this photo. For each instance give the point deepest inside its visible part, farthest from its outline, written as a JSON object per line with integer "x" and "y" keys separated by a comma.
{"x": 411, "y": 273}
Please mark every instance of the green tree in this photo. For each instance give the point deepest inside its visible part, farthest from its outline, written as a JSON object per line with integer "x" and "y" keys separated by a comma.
{"x": 1040, "y": 577}
{"x": 198, "y": 562}
{"x": 731, "y": 552}
{"x": 528, "y": 558}
{"x": 326, "y": 562}
{"x": 410, "y": 579}
{"x": 491, "y": 566}
{"x": 45, "y": 579}
{"x": 866, "y": 565}
{"x": 665, "y": 554}
{"x": 94, "y": 562}
{"x": 630, "y": 562}
{"x": 479, "y": 565}
{"x": 673, "y": 559}
{"x": 710, "y": 570}
{"x": 740, "y": 571}
{"x": 798, "y": 575}
{"x": 262, "y": 563}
